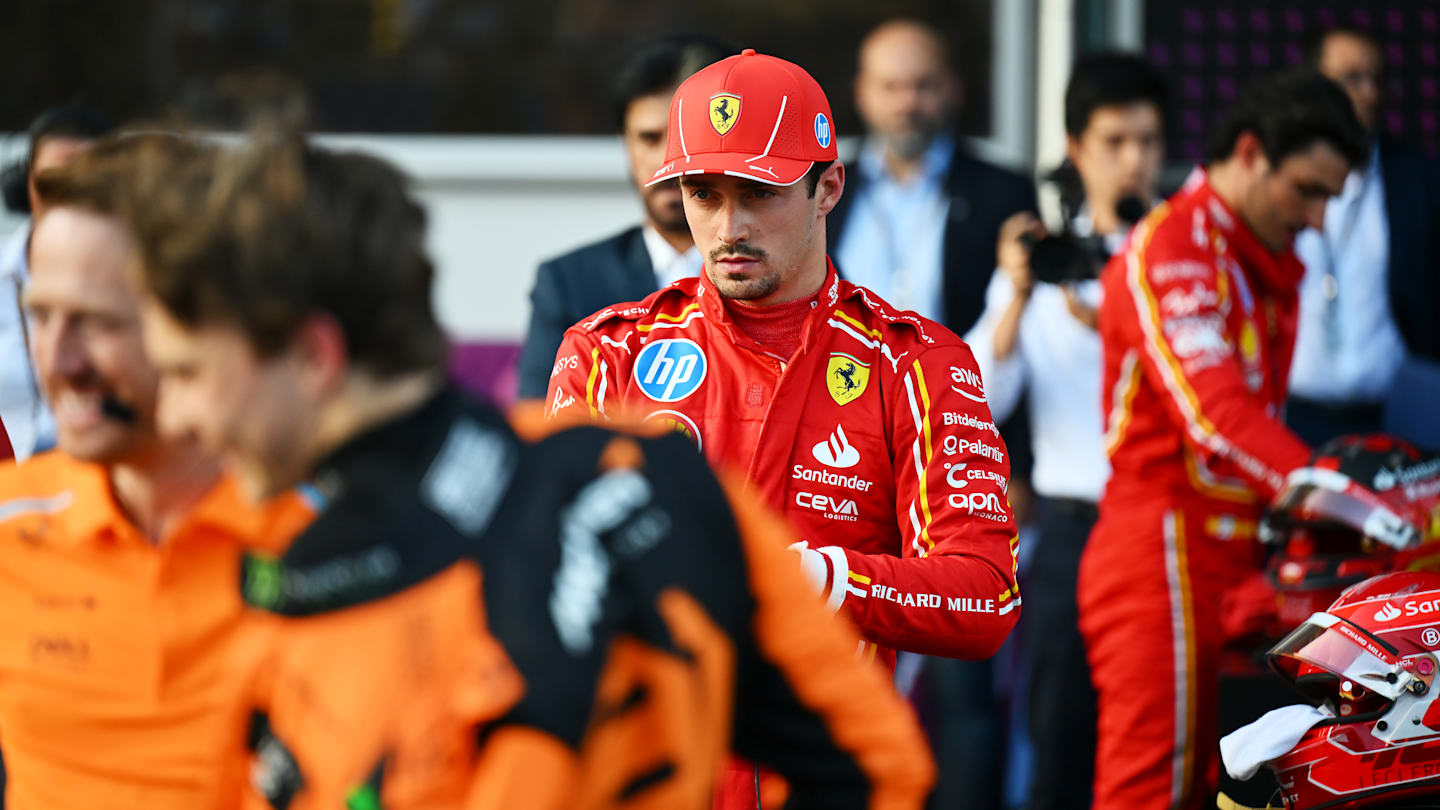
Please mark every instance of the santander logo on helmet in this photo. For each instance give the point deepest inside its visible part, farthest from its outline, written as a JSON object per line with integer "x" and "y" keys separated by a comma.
{"x": 1387, "y": 613}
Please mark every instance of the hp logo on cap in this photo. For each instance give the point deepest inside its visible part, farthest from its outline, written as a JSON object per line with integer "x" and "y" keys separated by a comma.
{"x": 670, "y": 370}
{"x": 822, "y": 131}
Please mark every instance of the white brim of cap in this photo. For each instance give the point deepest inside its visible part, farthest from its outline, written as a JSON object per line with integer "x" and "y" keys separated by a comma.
{"x": 759, "y": 177}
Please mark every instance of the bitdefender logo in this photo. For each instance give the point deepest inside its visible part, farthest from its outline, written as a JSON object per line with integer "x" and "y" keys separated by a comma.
{"x": 836, "y": 451}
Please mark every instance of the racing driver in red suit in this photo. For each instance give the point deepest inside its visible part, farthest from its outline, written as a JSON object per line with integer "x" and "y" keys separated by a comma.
{"x": 1198, "y": 324}
{"x": 866, "y": 425}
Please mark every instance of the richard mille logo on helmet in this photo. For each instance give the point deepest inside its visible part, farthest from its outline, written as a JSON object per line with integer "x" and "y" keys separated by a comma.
{"x": 724, "y": 112}
{"x": 836, "y": 451}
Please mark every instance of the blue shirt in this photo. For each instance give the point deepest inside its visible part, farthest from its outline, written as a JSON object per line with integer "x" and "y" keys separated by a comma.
{"x": 894, "y": 237}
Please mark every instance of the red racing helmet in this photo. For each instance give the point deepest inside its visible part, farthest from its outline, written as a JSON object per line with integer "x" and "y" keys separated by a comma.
{"x": 1363, "y": 506}
{"x": 1371, "y": 661}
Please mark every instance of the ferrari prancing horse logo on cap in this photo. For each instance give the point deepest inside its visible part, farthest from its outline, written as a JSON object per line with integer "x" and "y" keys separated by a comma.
{"x": 724, "y": 112}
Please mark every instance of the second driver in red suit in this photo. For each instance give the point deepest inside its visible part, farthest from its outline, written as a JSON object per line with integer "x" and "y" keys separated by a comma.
{"x": 868, "y": 426}
{"x": 1197, "y": 327}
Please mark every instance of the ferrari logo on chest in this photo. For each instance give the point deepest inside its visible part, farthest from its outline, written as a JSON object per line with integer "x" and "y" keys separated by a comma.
{"x": 846, "y": 377}
{"x": 724, "y": 112}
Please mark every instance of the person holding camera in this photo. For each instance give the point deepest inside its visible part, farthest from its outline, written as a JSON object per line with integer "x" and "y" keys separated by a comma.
{"x": 1037, "y": 333}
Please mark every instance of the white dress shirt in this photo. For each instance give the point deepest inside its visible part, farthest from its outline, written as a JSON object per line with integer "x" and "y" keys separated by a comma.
{"x": 670, "y": 264}
{"x": 27, "y": 420}
{"x": 1058, "y": 359}
{"x": 894, "y": 237}
{"x": 1348, "y": 348}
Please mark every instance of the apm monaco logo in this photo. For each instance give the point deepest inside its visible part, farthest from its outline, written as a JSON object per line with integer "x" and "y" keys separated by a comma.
{"x": 1387, "y": 613}
{"x": 822, "y": 130}
{"x": 670, "y": 370}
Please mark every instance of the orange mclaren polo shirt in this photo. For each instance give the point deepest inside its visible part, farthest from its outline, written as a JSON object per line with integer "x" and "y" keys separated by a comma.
{"x": 124, "y": 664}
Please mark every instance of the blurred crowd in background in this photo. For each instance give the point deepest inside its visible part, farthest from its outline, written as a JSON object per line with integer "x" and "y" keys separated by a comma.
{"x": 1004, "y": 256}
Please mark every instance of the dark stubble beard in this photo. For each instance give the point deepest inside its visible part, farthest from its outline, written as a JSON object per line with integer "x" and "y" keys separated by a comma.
{"x": 739, "y": 286}
{"x": 668, "y": 216}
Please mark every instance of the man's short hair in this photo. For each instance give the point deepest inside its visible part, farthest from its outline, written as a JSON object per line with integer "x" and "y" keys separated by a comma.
{"x": 660, "y": 65}
{"x": 812, "y": 177}
{"x": 1111, "y": 79}
{"x": 1313, "y": 45}
{"x": 1289, "y": 112}
{"x": 263, "y": 235}
{"x": 76, "y": 121}
{"x": 100, "y": 180}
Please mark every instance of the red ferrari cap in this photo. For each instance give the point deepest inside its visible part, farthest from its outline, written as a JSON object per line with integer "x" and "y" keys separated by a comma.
{"x": 751, "y": 116}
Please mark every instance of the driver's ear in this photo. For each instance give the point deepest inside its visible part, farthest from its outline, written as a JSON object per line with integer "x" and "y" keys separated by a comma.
{"x": 829, "y": 188}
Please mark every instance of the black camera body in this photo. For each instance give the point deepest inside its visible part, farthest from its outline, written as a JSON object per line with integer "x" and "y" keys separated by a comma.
{"x": 1069, "y": 257}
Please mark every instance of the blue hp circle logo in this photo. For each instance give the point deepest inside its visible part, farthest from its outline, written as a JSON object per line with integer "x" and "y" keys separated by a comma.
{"x": 670, "y": 370}
{"x": 822, "y": 131}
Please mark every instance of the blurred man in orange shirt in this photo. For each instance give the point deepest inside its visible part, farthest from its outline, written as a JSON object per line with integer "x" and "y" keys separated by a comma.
{"x": 123, "y": 652}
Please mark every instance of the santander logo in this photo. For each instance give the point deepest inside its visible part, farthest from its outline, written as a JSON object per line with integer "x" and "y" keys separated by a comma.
{"x": 836, "y": 451}
{"x": 1387, "y": 613}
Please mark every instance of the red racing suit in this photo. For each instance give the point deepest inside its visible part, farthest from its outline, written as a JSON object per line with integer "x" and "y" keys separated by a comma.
{"x": 875, "y": 440}
{"x": 1198, "y": 325}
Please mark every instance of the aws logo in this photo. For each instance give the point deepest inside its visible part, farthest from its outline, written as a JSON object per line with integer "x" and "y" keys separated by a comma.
{"x": 967, "y": 383}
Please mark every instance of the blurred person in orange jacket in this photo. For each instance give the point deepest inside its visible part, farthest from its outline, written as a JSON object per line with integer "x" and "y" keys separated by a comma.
{"x": 473, "y": 619}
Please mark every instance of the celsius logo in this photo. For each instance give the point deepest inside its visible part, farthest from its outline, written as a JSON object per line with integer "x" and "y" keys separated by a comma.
{"x": 836, "y": 451}
{"x": 1387, "y": 613}
{"x": 670, "y": 370}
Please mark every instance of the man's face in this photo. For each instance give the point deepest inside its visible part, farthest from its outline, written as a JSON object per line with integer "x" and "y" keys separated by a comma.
{"x": 51, "y": 152}
{"x": 756, "y": 238}
{"x": 647, "y": 121}
{"x": 85, "y": 336}
{"x": 1284, "y": 200}
{"x": 1354, "y": 63}
{"x": 904, "y": 91}
{"x": 214, "y": 389}
{"x": 1119, "y": 154}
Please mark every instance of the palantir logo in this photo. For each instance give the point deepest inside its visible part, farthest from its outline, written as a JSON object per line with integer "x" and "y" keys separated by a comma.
{"x": 1387, "y": 613}
{"x": 670, "y": 370}
{"x": 836, "y": 451}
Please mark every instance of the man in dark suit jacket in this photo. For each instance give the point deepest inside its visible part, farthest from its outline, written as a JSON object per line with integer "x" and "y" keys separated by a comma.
{"x": 1372, "y": 285}
{"x": 906, "y": 93}
{"x": 638, "y": 261}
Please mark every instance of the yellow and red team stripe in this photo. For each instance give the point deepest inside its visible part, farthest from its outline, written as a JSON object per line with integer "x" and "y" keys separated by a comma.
{"x": 1148, "y": 314}
{"x": 663, "y": 319}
